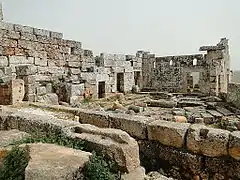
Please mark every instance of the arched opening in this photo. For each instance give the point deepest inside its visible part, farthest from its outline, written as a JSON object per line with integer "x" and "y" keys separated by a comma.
{"x": 194, "y": 62}
{"x": 171, "y": 63}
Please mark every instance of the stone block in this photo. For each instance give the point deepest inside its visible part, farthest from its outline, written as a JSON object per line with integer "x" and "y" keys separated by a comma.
{"x": 3, "y": 61}
{"x": 30, "y": 79}
{"x": 191, "y": 163}
{"x": 10, "y": 136}
{"x": 41, "y": 90}
{"x": 43, "y": 78}
{"x": 5, "y": 71}
{"x": 29, "y": 45}
{"x": 23, "y": 29}
{"x": 9, "y": 42}
{"x": 74, "y": 64}
{"x": 42, "y": 156}
{"x": 17, "y": 87}
{"x": 8, "y": 51}
{"x": 28, "y": 36}
{"x": 30, "y": 97}
{"x": 207, "y": 141}
{"x": 40, "y": 62}
{"x": 6, "y": 26}
{"x": 75, "y": 71}
{"x": 74, "y": 89}
{"x": 12, "y": 35}
{"x": 56, "y": 35}
{"x": 72, "y": 43}
{"x": 5, "y": 79}
{"x": 19, "y": 52}
{"x": 41, "y": 32}
{"x": 168, "y": 133}
{"x": 25, "y": 70}
{"x": 17, "y": 60}
{"x": 30, "y": 88}
{"x": 50, "y": 98}
{"x": 136, "y": 126}
{"x": 227, "y": 168}
{"x": 49, "y": 88}
{"x": 234, "y": 145}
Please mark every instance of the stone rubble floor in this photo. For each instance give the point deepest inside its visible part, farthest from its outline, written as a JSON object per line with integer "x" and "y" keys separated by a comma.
{"x": 196, "y": 108}
{"x": 209, "y": 110}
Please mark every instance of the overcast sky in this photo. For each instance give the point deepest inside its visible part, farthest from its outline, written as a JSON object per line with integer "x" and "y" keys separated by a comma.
{"x": 164, "y": 27}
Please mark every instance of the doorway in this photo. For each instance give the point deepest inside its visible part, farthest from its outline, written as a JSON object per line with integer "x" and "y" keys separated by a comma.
{"x": 120, "y": 82}
{"x": 101, "y": 89}
{"x": 137, "y": 78}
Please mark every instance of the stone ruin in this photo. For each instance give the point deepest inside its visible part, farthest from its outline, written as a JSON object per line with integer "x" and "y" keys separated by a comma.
{"x": 53, "y": 67}
{"x": 190, "y": 95}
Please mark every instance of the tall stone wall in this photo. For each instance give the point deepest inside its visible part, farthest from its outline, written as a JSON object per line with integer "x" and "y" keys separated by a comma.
{"x": 233, "y": 95}
{"x": 42, "y": 58}
{"x": 175, "y": 73}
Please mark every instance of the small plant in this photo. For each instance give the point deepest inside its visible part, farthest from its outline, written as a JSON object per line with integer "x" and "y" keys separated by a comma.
{"x": 98, "y": 168}
{"x": 14, "y": 164}
{"x": 59, "y": 140}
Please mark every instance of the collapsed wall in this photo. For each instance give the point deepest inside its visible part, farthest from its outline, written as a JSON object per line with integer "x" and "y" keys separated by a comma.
{"x": 210, "y": 71}
{"x": 183, "y": 150}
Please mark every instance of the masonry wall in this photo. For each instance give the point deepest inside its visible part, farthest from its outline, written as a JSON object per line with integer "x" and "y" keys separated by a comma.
{"x": 174, "y": 73}
{"x": 187, "y": 150}
{"x": 49, "y": 59}
{"x": 233, "y": 95}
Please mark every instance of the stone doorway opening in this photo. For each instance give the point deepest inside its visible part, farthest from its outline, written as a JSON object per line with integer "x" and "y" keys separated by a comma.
{"x": 195, "y": 80}
{"x": 137, "y": 78}
{"x": 101, "y": 89}
{"x": 120, "y": 82}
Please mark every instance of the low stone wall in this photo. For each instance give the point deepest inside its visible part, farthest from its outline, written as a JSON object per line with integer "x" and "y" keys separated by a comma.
{"x": 192, "y": 150}
{"x": 116, "y": 144}
{"x": 233, "y": 95}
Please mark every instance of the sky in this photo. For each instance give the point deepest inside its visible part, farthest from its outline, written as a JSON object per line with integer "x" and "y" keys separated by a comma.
{"x": 163, "y": 27}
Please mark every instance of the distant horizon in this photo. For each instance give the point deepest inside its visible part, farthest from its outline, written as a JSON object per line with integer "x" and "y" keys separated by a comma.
{"x": 164, "y": 28}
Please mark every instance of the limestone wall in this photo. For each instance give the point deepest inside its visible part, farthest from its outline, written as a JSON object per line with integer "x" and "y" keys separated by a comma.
{"x": 177, "y": 73}
{"x": 191, "y": 149}
{"x": 42, "y": 58}
{"x": 233, "y": 95}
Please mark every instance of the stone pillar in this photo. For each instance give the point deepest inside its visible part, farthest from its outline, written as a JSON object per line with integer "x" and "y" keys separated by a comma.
{"x": 1, "y": 12}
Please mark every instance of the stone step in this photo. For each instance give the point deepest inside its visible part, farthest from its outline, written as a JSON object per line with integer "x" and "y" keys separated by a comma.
{"x": 224, "y": 111}
{"x": 214, "y": 113}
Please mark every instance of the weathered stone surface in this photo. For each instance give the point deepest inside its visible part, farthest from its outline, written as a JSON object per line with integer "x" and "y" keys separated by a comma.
{"x": 41, "y": 32}
{"x": 227, "y": 168}
{"x": 6, "y": 26}
{"x": 23, "y": 29}
{"x": 137, "y": 174}
{"x": 8, "y": 137}
{"x": 136, "y": 126}
{"x": 56, "y": 35}
{"x": 99, "y": 119}
{"x": 168, "y": 133}
{"x": 50, "y": 98}
{"x": 162, "y": 103}
{"x": 40, "y": 62}
{"x": 25, "y": 70}
{"x": 234, "y": 145}
{"x": 116, "y": 144}
{"x": 17, "y": 91}
{"x": 208, "y": 141}
{"x": 20, "y": 60}
{"x": 48, "y": 161}
{"x": 3, "y": 61}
